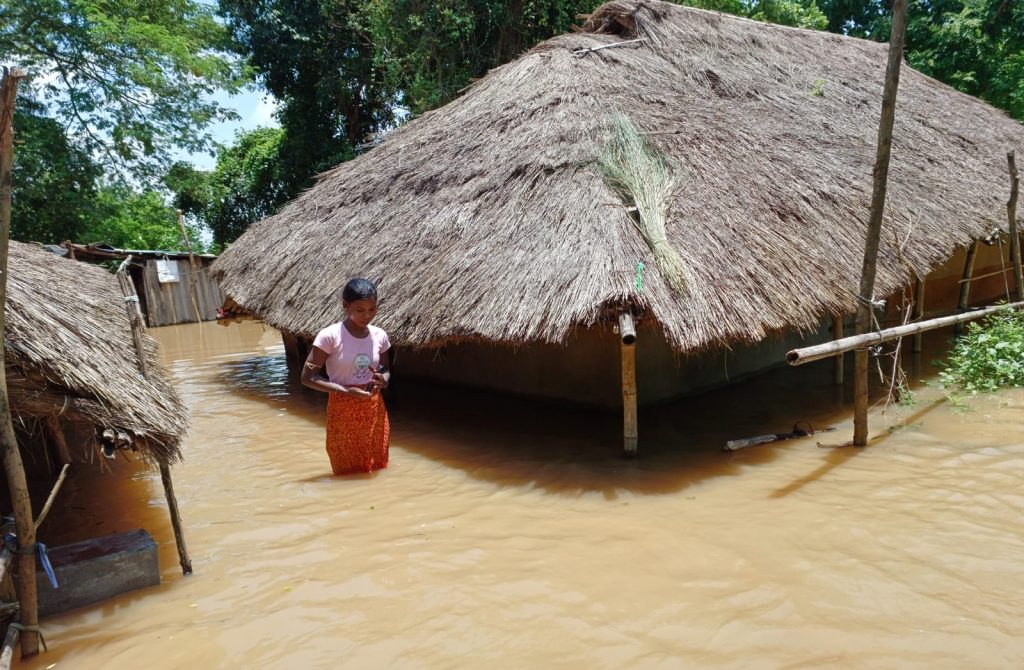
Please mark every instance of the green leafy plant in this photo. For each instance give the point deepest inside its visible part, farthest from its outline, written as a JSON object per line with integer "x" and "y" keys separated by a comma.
{"x": 989, "y": 356}
{"x": 818, "y": 89}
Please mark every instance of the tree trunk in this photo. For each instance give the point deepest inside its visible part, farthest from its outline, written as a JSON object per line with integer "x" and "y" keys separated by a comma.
{"x": 13, "y": 466}
{"x": 874, "y": 232}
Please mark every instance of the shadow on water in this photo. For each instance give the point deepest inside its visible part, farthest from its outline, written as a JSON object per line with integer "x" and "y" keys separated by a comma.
{"x": 514, "y": 441}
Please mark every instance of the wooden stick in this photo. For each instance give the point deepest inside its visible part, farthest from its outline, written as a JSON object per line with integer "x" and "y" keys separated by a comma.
{"x": 53, "y": 496}
{"x": 583, "y": 52}
{"x": 138, "y": 328}
{"x": 172, "y": 506}
{"x": 874, "y": 231}
{"x": 837, "y": 334}
{"x": 862, "y": 342}
{"x": 996, "y": 273}
{"x": 191, "y": 264}
{"x": 629, "y": 418}
{"x": 13, "y": 466}
{"x": 57, "y": 435}
{"x": 918, "y": 312}
{"x": 1011, "y": 213}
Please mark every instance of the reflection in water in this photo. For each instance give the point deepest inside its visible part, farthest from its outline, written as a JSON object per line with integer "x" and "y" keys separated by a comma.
{"x": 508, "y": 533}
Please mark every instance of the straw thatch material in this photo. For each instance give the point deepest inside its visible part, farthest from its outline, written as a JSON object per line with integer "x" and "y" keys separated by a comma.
{"x": 70, "y": 352}
{"x": 490, "y": 218}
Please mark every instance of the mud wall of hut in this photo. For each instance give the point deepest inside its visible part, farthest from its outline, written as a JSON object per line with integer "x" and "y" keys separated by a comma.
{"x": 171, "y": 302}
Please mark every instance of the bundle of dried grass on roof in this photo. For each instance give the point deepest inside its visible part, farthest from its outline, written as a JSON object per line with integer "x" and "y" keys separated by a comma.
{"x": 70, "y": 354}
{"x": 644, "y": 179}
{"x": 490, "y": 217}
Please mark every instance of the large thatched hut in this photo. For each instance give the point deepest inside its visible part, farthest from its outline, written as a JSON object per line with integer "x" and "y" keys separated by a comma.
{"x": 498, "y": 237}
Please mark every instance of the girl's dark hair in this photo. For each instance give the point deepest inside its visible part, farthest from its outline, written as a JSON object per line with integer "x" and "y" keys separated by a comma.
{"x": 359, "y": 289}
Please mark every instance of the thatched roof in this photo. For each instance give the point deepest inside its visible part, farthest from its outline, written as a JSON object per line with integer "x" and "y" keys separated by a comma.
{"x": 490, "y": 217}
{"x": 70, "y": 352}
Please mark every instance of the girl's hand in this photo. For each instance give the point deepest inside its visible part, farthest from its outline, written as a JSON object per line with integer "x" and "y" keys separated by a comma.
{"x": 380, "y": 380}
{"x": 355, "y": 391}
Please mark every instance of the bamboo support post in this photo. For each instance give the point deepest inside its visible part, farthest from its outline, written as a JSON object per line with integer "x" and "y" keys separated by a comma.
{"x": 874, "y": 230}
{"x": 172, "y": 506}
{"x": 918, "y": 312}
{"x": 862, "y": 342}
{"x": 135, "y": 317}
{"x": 627, "y": 332}
{"x": 965, "y": 283}
{"x": 191, "y": 265}
{"x": 13, "y": 466}
{"x": 837, "y": 364}
{"x": 52, "y": 497}
{"x": 1011, "y": 214}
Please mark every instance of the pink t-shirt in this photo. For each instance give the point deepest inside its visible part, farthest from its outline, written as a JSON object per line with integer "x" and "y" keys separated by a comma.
{"x": 351, "y": 360}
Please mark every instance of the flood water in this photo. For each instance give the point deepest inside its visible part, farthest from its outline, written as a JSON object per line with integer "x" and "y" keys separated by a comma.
{"x": 508, "y": 534}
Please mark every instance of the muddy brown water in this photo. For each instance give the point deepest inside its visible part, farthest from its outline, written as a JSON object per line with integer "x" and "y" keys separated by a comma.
{"x": 510, "y": 534}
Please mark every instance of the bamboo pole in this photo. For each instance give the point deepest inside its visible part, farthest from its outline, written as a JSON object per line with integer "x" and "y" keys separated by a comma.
{"x": 179, "y": 531}
{"x": 627, "y": 331}
{"x": 874, "y": 231}
{"x": 965, "y": 283}
{"x": 918, "y": 312}
{"x": 1011, "y": 213}
{"x": 836, "y": 347}
{"x": 837, "y": 364}
{"x": 13, "y": 466}
{"x": 138, "y": 328}
{"x": 191, "y": 265}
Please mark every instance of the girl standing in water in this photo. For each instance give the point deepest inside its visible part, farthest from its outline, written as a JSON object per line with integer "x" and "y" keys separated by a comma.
{"x": 356, "y": 356}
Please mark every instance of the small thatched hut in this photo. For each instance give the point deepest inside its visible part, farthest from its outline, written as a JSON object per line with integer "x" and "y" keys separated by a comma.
{"x": 71, "y": 357}
{"x": 498, "y": 238}
{"x": 76, "y": 391}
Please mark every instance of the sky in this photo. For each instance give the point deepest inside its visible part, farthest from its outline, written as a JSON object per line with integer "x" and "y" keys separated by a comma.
{"x": 255, "y": 108}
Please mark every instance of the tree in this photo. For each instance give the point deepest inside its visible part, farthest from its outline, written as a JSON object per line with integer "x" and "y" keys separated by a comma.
{"x": 55, "y": 184}
{"x": 129, "y": 219}
{"x": 321, "y": 71}
{"x": 976, "y": 46}
{"x": 429, "y": 51}
{"x": 247, "y": 184}
{"x": 129, "y": 80}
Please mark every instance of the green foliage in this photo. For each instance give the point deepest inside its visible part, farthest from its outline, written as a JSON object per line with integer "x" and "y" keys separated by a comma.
{"x": 976, "y": 46}
{"x": 799, "y": 13}
{"x": 247, "y": 184}
{"x": 320, "y": 68}
{"x": 128, "y": 79}
{"x": 132, "y": 220}
{"x": 429, "y": 51}
{"x": 55, "y": 182}
{"x": 989, "y": 356}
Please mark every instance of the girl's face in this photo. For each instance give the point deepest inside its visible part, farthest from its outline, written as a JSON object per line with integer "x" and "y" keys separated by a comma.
{"x": 361, "y": 312}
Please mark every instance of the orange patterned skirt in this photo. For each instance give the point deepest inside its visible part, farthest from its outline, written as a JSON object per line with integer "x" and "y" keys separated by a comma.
{"x": 358, "y": 433}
